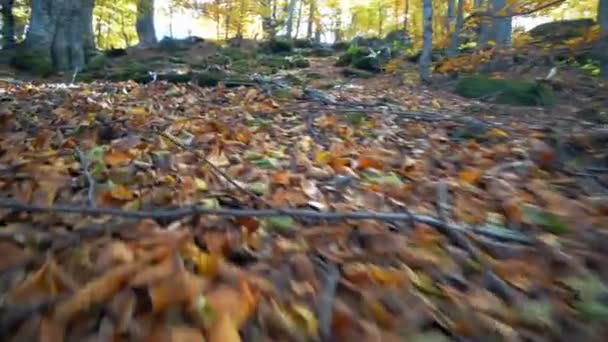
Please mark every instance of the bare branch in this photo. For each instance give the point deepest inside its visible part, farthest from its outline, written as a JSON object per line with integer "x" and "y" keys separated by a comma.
{"x": 84, "y": 162}
{"x": 526, "y": 12}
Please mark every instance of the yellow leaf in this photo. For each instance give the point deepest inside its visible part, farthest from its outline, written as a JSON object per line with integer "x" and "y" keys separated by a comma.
{"x": 139, "y": 111}
{"x": 497, "y": 133}
{"x": 121, "y": 192}
{"x": 306, "y": 318}
{"x": 224, "y": 330}
{"x": 436, "y": 104}
{"x": 322, "y": 157}
{"x": 200, "y": 184}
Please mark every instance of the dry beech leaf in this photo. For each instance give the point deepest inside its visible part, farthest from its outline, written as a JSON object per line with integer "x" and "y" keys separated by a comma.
{"x": 224, "y": 330}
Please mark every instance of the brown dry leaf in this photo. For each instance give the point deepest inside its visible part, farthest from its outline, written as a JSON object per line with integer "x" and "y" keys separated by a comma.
{"x": 95, "y": 292}
{"x": 12, "y": 255}
{"x": 118, "y": 158}
{"x": 51, "y": 330}
{"x": 224, "y": 330}
{"x": 182, "y": 333}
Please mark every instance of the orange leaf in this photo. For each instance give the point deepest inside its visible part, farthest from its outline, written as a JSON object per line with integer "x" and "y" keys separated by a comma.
{"x": 118, "y": 158}
{"x": 249, "y": 223}
{"x": 338, "y": 164}
{"x": 182, "y": 333}
{"x": 281, "y": 178}
{"x": 368, "y": 163}
{"x": 469, "y": 176}
{"x": 180, "y": 288}
{"x": 236, "y": 305}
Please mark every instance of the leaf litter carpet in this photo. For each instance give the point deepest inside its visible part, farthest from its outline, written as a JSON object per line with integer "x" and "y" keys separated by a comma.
{"x": 177, "y": 213}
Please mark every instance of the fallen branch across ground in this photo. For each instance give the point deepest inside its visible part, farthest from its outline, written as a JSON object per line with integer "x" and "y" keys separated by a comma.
{"x": 174, "y": 214}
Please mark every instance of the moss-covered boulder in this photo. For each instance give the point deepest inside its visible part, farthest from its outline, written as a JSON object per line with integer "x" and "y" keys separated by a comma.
{"x": 562, "y": 29}
{"x": 340, "y": 46}
{"x": 513, "y": 92}
{"x": 303, "y": 43}
{"x": 277, "y": 46}
{"x": 361, "y": 57}
{"x": 287, "y": 62}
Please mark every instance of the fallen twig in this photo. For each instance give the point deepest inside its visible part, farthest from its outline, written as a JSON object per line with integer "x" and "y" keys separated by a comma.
{"x": 326, "y": 299}
{"x": 84, "y": 162}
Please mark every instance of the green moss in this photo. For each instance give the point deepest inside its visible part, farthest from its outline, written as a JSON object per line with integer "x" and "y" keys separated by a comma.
{"x": 303, "y": 43}
{"x": 235, "y": 54}
{"x": 513, "y": 92}
{"x": 300, "y": 62}
{"x": 97, "y": 63}
{"x": 278, "y": 46}
{"x": 36, "y": 63}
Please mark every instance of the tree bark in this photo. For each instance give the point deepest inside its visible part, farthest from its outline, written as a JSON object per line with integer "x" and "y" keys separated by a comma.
{"x": 291, "y": 11}
{"x": 299, "y": 22}
{"x": 602, "y": 18}
{"x": 405, "y": 14}
{"x": 8, "y": 24}
{"x": 60, "y": 33}
{"x": 427, "y": 36}
{"x": 145, "y": 23}
{"x": 455, "y": 40}
{"x": 502, "y": 27}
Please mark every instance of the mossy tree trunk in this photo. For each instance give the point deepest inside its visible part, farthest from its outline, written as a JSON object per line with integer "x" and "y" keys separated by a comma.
{"x": 602, "y": 18}
{"x": 145, "y": 23}
{"x": 60, "y": 35}
{"x": 8, "y": 24}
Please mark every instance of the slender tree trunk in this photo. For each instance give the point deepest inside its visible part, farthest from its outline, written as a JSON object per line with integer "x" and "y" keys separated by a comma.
{"x": 455, "y": 40}
{"x": 602, "y": 18}
{"x": 427, "y": 43}
{"x": 299, "y": 22}
{"x": 380, "y": 21}
{"x": 311, "y": 18}
{"x": 484, "y": 28}
{"x": 318, "y": 30}
{"x": 8, "y": 24}
{"x": 60, "y": 34}
{"x": 291, "y": 11}
{"x": 451, "y": 16}
{"x": 145, "y": 22}
{"x": 338, "y": 25}
{"x": 406, "y": 15}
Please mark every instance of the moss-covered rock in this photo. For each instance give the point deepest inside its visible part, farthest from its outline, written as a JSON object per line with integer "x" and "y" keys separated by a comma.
{"x": 340, "y": 46}
{"x": 279, "y": 62}
{"x": 562, "y": 29}
{"x": 353, "y": 53}
{"x": 97, "y": 63}
{"x": 300, "y": 62}
{"x": 303, "y": 43}
{"x": 513, "y": 92}
{"x": 37, "y": 63}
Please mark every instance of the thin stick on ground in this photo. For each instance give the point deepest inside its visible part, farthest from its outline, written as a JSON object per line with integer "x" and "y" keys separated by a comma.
{"x": 84, "y": 163}
{"x": 325, "y": 305}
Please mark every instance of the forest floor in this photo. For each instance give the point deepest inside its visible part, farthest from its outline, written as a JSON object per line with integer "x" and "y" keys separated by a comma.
{"x": 377, "y": 209}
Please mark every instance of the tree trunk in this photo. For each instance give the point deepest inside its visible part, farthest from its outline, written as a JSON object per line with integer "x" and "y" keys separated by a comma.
{"x": 299, "y": 22}
{"x": 501, "y": 27}
{"x": 311, "y": 18}
{"x": 484, "y": 29}
{"x": 60, "y": 34}
{"x": 8, "y": 24}
{"x": 455, "y": 41}
{"x": 291, "y": 11}
{"x": 451, "y": 17}
{"x": 427, "y": 40}
{"x": 406, "y": 14}
{"x": 602, "y": 18}
{"x": 145, "y": 22}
